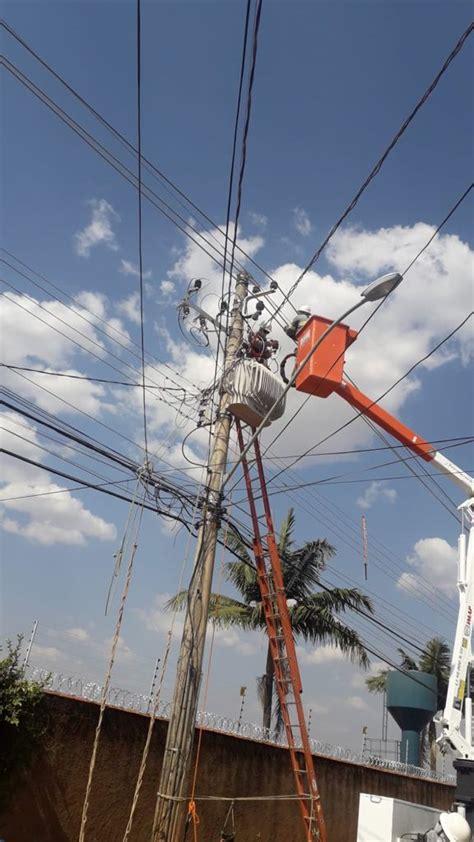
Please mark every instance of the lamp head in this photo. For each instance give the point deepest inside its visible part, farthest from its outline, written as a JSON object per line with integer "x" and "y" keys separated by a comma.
{"x": 382, "y": 286}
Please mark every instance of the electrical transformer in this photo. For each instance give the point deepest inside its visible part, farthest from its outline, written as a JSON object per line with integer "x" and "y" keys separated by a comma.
{"x": 253, "y": 390}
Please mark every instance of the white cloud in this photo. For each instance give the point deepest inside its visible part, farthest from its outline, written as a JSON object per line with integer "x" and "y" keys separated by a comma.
{"x": 302, "y": 222}
{"x": 192, "y": 262}
{"x": 49, "y": 519}
{"x": 258, "y": 219}
{"x": 402, "y": 332}
{"x": 167, "y": 287}
{"x": 79, "y": 634}
{"x": 43, "y": 334}
{"x": 130, "y": 308}
{"x": 129, "y": 268}
{"x": 356, "y": 702}
{"x": 158, "y": 620}
{"x": 374, "y": 493}
{"x": 319, "y": 655}
{"x": 47, "y": 654}
{"x": 436, "y": 561}
{"x": 99, "y": 229}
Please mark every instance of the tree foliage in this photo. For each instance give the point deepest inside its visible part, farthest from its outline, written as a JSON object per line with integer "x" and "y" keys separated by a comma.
{"x": 315, "y": 614}
{"x": 22, "y": 719}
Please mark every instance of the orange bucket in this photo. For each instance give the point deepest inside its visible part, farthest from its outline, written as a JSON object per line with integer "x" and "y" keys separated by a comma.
{"x": 324, "y": 370}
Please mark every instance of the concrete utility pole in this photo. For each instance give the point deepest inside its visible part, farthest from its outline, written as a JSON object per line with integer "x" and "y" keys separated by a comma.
{"x": 176, "y": 766}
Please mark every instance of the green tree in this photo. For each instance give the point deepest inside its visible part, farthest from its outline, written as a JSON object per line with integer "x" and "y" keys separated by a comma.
{"x": 315, "y": 614}
{"x": 21, "y": 717}
{"x": 435, "y": 659}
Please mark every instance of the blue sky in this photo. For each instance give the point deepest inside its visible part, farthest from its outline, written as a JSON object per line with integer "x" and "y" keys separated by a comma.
{"x": 334, "y": 82}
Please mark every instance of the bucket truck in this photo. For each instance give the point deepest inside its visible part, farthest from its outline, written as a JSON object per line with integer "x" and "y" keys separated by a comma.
{"x": 322, "y": 375}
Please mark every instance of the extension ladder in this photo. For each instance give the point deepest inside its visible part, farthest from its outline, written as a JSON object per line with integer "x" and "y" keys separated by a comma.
{"x": 282, "y": 647}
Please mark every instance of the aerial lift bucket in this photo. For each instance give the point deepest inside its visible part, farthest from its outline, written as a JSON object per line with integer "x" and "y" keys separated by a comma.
{"x": 323, "y": 371}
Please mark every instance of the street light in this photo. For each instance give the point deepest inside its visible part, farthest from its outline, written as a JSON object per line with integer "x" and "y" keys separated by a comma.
{"x": 382, "y": 286}
{"x": 377, "y": 290}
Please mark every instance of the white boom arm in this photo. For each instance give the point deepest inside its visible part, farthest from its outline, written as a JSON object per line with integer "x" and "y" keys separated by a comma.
{"x": 462, "y": 661}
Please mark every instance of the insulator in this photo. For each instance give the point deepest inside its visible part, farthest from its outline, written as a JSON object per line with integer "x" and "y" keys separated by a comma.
{"x": 273, "y": 284}
{"x": 255, "y": 289}
{"x": 260, "y": 306}
{"x": 197, "y": 283}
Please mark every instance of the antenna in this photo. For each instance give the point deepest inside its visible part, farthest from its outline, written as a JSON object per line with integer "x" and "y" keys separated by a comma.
{"x": 365, "y": 546}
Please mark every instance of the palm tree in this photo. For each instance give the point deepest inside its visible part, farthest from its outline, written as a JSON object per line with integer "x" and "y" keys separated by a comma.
{"x": 314, "y": 613}
{"x": 435, "y": 659}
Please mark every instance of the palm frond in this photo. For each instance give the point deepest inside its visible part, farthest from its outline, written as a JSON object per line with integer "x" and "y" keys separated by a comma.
{"x": 261, "y": 688}
{"x": 407, "y": 662}
{"x": 377, "y": 683}
{"x": 337, "y": 600}
{"x": 277, "y": 717}
{"x": 323, "y": 627}
{"x": 177, "y": 602}
{"x": 286, "y": 533}
{"x": 225, "y": 612}
{"x": 302, "y": 568}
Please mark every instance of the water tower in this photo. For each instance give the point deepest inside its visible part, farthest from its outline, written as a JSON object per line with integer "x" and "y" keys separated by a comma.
{"x": 412, "y": 701}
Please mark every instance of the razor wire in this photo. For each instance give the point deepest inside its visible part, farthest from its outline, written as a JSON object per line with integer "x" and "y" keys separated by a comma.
{"x": 77, "y": 687}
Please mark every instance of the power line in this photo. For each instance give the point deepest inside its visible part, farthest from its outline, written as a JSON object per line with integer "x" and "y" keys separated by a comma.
{"x": 77, "y": 312}
{"x": 378, "y": 166}
{"x": 373, "y": 403}
{"x": 140, "y": 244}
{"x": 234, "y": 147}
{"x": 75, "y": 342}
{"x": 77, "y": 376}
{"x": 243, "y": 153}
{"x": 159, "y": 174}
{"x": 445, "y": 220}
{"x": 73, "y": 434}
{"x": 184, "y": 225}
{"x": 96, "y": 316}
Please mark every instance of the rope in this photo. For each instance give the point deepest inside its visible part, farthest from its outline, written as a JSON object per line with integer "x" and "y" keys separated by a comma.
{"x": 154, "y": 711}
{"x": 193, "y": 816}
{"x": 106, "y": 687}
{"x": 229, "y": 837}
{"x": 191, "y": 812}
{"x": 231, "y": 799}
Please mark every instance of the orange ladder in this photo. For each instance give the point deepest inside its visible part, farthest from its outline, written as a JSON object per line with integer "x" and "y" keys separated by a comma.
{"x": 282, "y": 647}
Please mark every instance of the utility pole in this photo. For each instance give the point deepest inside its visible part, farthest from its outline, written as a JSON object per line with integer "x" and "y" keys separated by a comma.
{"x": 176, "y": 766}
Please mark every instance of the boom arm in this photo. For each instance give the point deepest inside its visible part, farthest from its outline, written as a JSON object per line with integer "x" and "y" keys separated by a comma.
{"x": 406, "y": 436}
{"x": 462, "y": 661}
{"x": 322, "y": 374}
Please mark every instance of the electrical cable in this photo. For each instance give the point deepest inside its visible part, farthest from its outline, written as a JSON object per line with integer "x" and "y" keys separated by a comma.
{"x": 377, "y": 400}
{"x": 140, "y": 243}
{"x": 77, "y": 376}
{"x": 96, "y": 316}
{"x": 97, "y": 447}
{"x": 378, "y": 166}
{"x": 441, "y": 225}
{"x": 185, "y": 226}
{"x": 75, "y": 311}
{"x": 159, "y": 174}
{"x": 243, "y": 153}
{"x": 234, "y": 148}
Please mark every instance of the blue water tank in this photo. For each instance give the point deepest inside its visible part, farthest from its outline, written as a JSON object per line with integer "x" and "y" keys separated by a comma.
{"x": 412, "y": 701}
